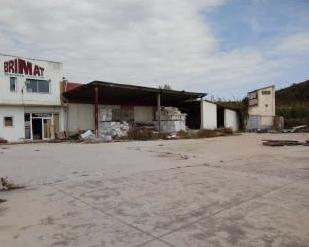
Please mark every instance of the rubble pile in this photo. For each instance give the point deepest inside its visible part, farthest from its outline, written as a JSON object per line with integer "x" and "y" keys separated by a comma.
{"x": 172, "y": 120}
{"x": 109, "y": 129}
{"x": 114, "y": 129}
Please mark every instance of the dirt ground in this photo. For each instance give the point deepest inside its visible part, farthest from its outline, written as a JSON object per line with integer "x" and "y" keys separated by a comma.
{"x": 226, "y": 191}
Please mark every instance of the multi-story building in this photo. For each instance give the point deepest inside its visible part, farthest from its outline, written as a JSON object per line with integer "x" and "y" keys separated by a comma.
{"x": 261, "y": 108}
{"x": 30, "y": 104}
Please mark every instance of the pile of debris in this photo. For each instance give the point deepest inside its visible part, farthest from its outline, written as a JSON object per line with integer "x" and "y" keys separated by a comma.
{"x": 280, "y": 143}
{"x": 114, "y": 129}
{"x": 297, "y": 129}
{"x": 172, "y": 120}
{"x": 5, "y": 184}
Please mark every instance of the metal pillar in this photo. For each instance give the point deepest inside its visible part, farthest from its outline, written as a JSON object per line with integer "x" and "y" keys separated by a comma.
{"x": 159, "y": 111}
{"x": 96, "y": 111}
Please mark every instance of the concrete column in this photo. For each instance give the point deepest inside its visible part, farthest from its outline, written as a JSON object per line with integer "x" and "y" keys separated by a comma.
{"x": 96, "y": 111}
{"x": 159, "y": 111}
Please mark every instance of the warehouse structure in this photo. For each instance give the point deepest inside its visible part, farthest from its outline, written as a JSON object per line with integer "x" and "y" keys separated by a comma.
{"x": 37, "y": 103}
{"x": 88, "y": 104}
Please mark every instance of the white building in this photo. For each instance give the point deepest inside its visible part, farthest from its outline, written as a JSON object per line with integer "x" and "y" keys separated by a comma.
{"x": 261, "y": 108}
{"x": 215, "y": 116}
{"x": 30, "y": 105}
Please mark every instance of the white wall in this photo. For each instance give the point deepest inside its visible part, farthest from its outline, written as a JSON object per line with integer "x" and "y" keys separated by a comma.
{"x": 143, "y": 113}
{"x": 208, "y": 115}
{"x": 17, "y": 132}
{"x": 266, "y": 103}
{"x": 80, "y": 117}
{"x": 231, "y": 119}
{"x": 53, "y": 71}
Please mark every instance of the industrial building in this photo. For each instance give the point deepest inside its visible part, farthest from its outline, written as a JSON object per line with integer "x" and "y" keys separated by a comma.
{"x": 30, "y": 105}
{"x": 262, "y": 110}
{"x": 37, "y": 103}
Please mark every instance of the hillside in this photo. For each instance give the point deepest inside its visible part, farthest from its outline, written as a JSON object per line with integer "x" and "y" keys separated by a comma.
{"x": 293, "y": 104}
{"x": 296, "y": 94}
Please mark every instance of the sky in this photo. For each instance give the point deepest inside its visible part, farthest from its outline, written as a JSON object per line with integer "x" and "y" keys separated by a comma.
{"x": 221, "y": 47}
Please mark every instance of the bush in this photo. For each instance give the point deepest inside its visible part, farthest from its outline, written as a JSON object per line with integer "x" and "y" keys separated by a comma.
{"x": 144, "y": 134}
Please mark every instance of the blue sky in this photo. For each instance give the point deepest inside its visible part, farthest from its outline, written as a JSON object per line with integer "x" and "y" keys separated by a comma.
{"x": 222, "y": 47}
{"x": 240, "y": 23}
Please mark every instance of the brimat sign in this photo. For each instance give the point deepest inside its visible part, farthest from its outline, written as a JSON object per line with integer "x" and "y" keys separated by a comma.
{"x": 22, "y": 67}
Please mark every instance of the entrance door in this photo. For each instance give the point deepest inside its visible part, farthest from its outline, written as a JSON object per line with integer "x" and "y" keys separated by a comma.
{"x": 47, "y": 128}
{"x": 37, "y": 128}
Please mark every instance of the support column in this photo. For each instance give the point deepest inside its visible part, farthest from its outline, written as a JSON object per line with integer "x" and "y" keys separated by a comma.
{"x": 96, "y": 111}
{"x": 159, "y": 111}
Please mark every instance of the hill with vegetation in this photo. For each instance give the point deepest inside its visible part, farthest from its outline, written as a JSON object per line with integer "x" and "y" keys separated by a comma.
{"x": 297, "y": 94}
{"x": 293, "y": 104}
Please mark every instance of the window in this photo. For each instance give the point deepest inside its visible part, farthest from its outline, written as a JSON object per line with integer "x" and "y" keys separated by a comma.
{"x": 37, "y": 86}
{"x": 8, "y": 121}
{"x": 12, "y": 84}
{"x": 264, "y": 92}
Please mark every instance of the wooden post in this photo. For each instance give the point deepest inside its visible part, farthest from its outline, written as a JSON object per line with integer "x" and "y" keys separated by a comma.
{"x": 159, "y": 111}
{"x": 96, "y": 111}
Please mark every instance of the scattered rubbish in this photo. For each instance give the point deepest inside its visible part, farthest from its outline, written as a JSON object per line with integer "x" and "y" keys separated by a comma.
{"x": 2, "y": 140}
{"x": 280, "y": 143}
{"x": 87, "y": 135}
{"x": 74, "y": 137}
{"x": 172, "y": 136}
{"x": 5, "y": 184}
{"x": 61, "y": 135}
{"x": 297, "y": 129}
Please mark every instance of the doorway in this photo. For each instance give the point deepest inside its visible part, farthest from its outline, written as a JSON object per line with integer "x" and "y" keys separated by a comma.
{"x": 220, "y": 117}
{"x": 39, "y": 126}
{"x": 37, "y": 129}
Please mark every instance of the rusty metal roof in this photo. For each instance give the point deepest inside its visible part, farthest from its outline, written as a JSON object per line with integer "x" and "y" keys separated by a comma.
{"x": 125, "y": 94}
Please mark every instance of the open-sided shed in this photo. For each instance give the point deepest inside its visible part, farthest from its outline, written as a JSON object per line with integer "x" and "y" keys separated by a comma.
{"x": 107, "y": 93}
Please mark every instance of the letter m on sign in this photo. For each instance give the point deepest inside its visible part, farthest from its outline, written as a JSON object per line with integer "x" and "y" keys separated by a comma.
{"x": 24, "y": 67}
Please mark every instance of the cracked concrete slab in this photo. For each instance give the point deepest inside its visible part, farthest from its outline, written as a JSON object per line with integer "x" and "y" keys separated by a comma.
{"x": 227, "y": 192}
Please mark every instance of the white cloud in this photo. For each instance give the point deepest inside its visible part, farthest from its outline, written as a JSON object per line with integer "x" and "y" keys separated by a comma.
{"x": 147, "y": 42}
{"x": 295, "y": 43}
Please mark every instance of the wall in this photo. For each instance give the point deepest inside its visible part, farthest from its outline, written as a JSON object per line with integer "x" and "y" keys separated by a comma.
{"x": 231, "y": 119}
{"x": 143, "y": 114}
{"x": 80, "y": 117}
{"x": 208, "y": 115}
{"x": 255, "y": 122}
{"x": 53, "y": 71}
{"x": 266, "y": 103}
{"x": 17, "y": 132}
